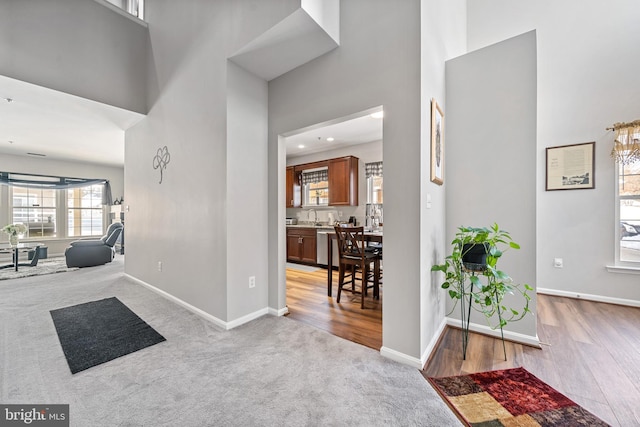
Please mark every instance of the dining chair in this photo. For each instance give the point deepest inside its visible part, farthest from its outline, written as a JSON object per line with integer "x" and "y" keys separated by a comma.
{"x": 355, "y": 258}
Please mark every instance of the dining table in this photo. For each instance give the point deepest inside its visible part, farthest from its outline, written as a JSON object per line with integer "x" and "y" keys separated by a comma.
{"x": 369, "y": 236}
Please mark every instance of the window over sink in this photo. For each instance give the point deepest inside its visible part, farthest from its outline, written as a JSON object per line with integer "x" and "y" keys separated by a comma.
{"x": 315, "y": 187}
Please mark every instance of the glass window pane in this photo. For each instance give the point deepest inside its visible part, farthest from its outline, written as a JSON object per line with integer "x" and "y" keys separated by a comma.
{"x": 630, "y": 230}
{"x": 317, "y": 194}
{"x": 629, "y": 179}
{"x": 36, "y": 208}
{"x": 375, "y": 190}
{"x": 84, "y": 216}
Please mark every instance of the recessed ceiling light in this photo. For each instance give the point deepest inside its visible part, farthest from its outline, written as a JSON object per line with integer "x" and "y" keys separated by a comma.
{"x": 330, "y": 139}
{"x": 378, "y": 114}
{"x": 300, "y": 146}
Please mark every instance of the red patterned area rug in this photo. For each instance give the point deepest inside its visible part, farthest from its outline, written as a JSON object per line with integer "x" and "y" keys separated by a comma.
{"x": 511, "y": 397}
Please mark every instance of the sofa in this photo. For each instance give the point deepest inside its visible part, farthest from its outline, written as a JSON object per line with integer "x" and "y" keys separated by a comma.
{"x": 92, "y": 252}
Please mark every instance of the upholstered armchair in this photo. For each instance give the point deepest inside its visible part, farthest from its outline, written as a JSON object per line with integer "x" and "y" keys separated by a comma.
{"x": 90, "y": 252}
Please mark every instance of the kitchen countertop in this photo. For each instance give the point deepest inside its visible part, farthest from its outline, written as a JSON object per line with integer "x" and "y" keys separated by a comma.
{"x": 311, "y": 225}
{"x": 326, "y": 227}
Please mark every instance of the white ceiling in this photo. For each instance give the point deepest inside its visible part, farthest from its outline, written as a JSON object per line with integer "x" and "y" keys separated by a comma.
{"x": 66, "y": 127}
{"x": 356, "y": 129}
{"x": 61, "y": 126}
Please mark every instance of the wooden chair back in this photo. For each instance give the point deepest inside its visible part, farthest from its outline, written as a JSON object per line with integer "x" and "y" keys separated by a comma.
{"x": 350, "y": 243}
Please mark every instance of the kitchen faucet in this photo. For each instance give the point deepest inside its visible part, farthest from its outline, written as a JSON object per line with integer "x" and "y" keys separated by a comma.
{"x": 315, "y": 216}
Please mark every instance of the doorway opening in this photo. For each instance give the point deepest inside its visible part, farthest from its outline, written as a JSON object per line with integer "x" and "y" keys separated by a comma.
{"x": 311, "y": 214}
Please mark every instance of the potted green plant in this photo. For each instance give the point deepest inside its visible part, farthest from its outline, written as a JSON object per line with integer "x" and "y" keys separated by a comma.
{"x": 473, "y": 279}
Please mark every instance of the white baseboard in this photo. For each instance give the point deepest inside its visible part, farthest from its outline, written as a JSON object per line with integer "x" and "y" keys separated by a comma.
{"x": 218, "y": 322}
{"x": 589, "y": 297}
{"x": 414, "y": 361}
{"x": 482, "y": 329}
{"x": 401, "y": 357}
{"x": 508, "y": 335}
{"x": 280, "y": 312}
{"x": 432, "y": 344}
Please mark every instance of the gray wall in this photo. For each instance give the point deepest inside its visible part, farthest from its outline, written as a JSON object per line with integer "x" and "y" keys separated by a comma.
{"x": 587, "y": 80}
{"x": 377, "y": 63}
{"x": 443, "y": 36}
{"x": 490, "y": 143}
{"x": 191, "y": 221}
{"x": 75, "y": 46}
{"x": 246, "y": 191}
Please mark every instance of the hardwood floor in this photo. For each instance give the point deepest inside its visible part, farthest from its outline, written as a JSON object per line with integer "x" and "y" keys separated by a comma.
{"x": 308, "y": 302}
{"x": 590, "y": 351}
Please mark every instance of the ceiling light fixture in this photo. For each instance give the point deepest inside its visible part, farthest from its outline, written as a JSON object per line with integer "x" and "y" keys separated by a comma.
{"x": 330, "y": 139}
{"x": 378, "y": 115}
{"x": 300, "y": 146}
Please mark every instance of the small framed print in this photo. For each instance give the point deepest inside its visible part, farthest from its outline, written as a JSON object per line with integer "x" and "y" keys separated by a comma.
{"x": 437, "y": 143}
{"x": 571, "y": 167}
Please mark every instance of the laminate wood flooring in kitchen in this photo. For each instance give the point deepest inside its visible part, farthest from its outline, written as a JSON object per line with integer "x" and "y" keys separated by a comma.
{"x": 308, "y": 302}
{"x": 590, "y": 353}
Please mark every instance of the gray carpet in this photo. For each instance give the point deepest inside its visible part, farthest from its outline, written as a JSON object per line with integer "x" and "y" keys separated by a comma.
{"x": 45, "y": 266}
{"x": 272, "y": 371}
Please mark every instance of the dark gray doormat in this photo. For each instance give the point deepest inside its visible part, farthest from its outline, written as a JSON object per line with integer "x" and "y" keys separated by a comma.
{"x": 99, "y": 331}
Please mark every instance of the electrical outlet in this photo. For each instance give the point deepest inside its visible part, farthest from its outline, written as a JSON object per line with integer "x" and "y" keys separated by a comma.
{"x": 252, "y": 281}
{"x": 159, "y": 265}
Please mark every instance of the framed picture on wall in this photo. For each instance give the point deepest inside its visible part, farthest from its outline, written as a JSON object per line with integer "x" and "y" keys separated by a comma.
{"x": 571, "y": 167}
{"x": 437, "y": 143}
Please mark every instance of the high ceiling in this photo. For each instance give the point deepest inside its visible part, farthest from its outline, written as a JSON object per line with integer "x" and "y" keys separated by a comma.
{"x": 56, "y": 125}
{"x": 44, "y": 123}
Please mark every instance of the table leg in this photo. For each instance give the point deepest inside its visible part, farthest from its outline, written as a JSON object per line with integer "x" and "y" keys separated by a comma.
{"x": 329, "y": 264}
{"x": 15, "y": 258}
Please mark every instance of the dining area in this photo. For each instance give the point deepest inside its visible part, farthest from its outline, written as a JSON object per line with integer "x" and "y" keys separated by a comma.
{"x": 312, "y": 290}
{"x": 359, "y": 261}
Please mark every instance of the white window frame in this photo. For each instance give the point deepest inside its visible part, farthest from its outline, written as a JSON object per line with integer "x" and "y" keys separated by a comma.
{"x": 68, "y": 210}
{"x": 306, "y": 190}
{"x": 62, "y": 232}
{"x": 11, "y": 207}
{"x": 370, "y": 190}
{"x": 631, "y": 267}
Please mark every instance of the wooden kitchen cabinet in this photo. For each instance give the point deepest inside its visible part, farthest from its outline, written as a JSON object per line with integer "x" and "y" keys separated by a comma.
{"x": 343, "y": 181}
{"x": 301, "y": 245}
{"x": 293, "y": 193}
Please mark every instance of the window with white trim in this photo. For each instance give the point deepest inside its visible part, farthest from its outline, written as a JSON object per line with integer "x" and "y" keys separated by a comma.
{"x": 35, "y": 208}
{"x": 84, "y": 211}
{"x": 315, "y": 187}
{"x": 628, "y": 195}
{"x": 373, "y": 173}
{"x": 53, "y": 213}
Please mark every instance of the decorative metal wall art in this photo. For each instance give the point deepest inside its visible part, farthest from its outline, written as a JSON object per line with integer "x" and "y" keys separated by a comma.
{"x": 161, "y": 160}
{"x": 437, "y": 143}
